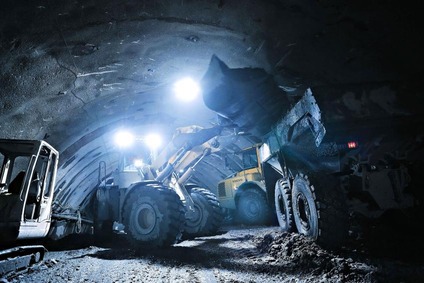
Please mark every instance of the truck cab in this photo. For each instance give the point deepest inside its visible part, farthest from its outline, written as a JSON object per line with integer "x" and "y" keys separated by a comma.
{"x": 243, "y": 193}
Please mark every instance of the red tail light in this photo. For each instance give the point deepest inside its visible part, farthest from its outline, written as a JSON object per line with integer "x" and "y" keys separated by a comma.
{"x": 352, "y": 144}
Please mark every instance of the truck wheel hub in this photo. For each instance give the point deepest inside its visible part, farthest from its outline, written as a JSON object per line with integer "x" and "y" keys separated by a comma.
{"x": 304, "y": 211}
{"x": 253, "y": 208}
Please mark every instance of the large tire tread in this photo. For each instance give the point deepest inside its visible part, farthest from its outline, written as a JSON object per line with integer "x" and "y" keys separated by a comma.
{"x": 170, "y": 206}
{"x": 332, "y": 210}
{"x": 207, "y": 201}
{"x": 283, "y": 206}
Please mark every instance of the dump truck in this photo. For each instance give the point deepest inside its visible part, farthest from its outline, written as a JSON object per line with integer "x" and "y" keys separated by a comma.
{"x": 243, "y": 194}
{"x": 330, "y": 154}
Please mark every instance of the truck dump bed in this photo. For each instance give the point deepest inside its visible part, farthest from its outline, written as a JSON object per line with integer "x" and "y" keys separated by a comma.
{"x": 383, "y": 115}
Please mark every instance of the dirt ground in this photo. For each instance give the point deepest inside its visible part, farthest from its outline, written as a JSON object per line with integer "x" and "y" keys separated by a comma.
{"x": 237, "y": 254}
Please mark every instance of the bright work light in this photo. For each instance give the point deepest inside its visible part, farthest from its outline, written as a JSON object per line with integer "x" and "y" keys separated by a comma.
{"x": 138, "y": 163}
{"x": 124, "y": 139}
{"x": 186, "y": 89}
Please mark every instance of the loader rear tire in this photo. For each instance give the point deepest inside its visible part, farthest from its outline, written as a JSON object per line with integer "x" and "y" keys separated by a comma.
{"x": 319, "y": 209}
{"x": 252, "y": 208}
{"x": 153, "y": 217}
{"x": 208, "y": 214}
{"x": 283, "y": 205}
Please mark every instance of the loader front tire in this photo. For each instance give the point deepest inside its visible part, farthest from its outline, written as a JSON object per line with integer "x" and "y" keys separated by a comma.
{"x": 153, "y": 216}
{"x": 208, "y": 214}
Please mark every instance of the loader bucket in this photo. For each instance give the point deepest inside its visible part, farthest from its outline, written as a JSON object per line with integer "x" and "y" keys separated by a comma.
{"x": 246, "y": 97}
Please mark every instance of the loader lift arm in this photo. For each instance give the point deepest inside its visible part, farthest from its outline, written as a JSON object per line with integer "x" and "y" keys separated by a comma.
{"x": 191, "y": 144}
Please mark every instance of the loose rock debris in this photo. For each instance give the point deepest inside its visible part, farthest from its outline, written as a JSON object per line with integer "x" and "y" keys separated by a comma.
{"x": 261, "y": 254}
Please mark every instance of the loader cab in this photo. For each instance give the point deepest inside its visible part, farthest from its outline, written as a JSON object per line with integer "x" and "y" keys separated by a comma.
{"x": 27, "y": 178}
{"x": 250, "y": 159}
{"x": 131, "y": 169}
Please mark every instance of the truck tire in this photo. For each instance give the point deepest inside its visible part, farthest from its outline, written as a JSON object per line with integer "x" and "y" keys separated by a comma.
{"x": 252, "y": 208}
{"x": 208, "y": 214}
{"x": 283, "y": 205}
{"x": 153, "y": 217}
{"x": 319, "y": 209}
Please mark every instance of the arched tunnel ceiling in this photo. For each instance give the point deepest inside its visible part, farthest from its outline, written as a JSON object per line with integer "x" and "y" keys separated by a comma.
{"x": 74, "y": 72}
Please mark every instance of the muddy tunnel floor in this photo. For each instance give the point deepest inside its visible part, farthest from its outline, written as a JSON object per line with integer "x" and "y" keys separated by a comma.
{"x": 237, "y": 254}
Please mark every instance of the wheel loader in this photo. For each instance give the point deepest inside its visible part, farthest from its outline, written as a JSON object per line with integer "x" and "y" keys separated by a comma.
{"x": 157, "y": 207}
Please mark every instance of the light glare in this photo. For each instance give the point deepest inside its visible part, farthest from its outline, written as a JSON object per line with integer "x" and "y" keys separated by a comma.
{"x": 153, "y": 141}
{"x": 124, "y": 139}
{"x": 138, "y": 163}
{"x": 186, "y": 89}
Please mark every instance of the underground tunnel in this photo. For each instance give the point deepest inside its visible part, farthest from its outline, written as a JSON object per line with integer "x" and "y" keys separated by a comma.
{"x": 325, "y": 96}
